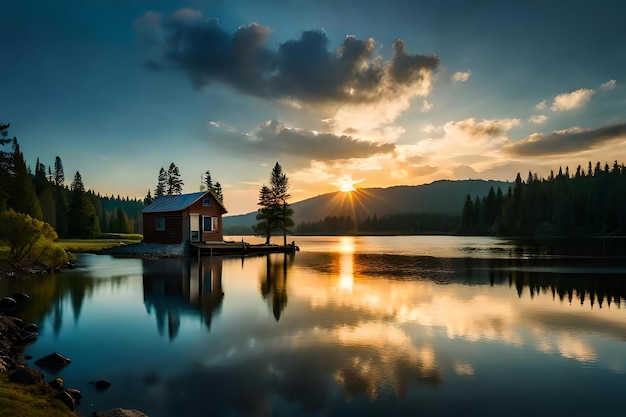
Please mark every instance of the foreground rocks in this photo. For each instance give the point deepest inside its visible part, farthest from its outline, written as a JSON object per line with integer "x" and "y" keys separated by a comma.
{"x": 14, "y": 336}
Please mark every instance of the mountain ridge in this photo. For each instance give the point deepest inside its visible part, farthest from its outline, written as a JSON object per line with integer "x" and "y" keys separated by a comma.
{"x": 442, "y": 196}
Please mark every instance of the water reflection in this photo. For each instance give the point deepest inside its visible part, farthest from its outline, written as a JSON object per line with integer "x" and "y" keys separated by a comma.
{"x": 274, "y": 282}
{"x": 177, "y": 287}
{"x": 55, "y": 296}
{"x": 347, "y": 330}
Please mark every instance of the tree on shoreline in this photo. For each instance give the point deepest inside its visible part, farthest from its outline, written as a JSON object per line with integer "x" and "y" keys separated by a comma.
{"x": 275, "y": 213}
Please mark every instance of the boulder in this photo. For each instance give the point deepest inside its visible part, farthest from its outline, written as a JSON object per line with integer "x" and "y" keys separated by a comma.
{"x": 75, "y": 393}
{"x": 101, "y": 384}
{"x": 7, "y": 304}
{"x": 66, "y": 399}
{"x": 26, "y": 376}
{"x": 56, "y": 383}
{"x": 119, "y": 412}
{"x": 20, "y": 297}
{"x": 53, "y": 361}
{"x": 32, "y": 328}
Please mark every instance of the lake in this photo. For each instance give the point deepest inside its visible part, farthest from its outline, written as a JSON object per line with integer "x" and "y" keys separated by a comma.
{"x": 348, "y": 326}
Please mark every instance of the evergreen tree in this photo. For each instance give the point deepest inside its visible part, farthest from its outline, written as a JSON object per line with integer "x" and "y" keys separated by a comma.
{"x": 61, "y": 211}
{"x": 266, "y": 215}
{"x": 40, "y": 181}
{"x": 148, "y": 199}
{"x": 122, "y": 221}
{"x": 5, "y": 168}
{"x": 23, "y": 197}
{"x": 275, "y": 212}
{"x": 217, "y": 192}
{"x": 207, "y": 182}
{"x": 83, "y": 219}
{"x": 174, "y": 182}
{"x": 59, "y": 176}
{"x": 467, "y": 215}
{"x": 214, "y": 187}
{"x": 161, "y": 188}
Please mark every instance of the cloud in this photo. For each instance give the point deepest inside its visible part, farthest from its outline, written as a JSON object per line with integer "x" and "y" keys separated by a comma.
{"x": 609, "y": 85}
{"x": 426, "y": 106}
{"x": 461, "y": 76}
{"x": 303, "y": 71}
{"x": 481, "y": 128}
{"x": 430, "y": 128}
{"x": 573, "y": 100}
{"x": 567, "y": 141}
{"x": 469, "y": 141}
{"x": 274, "y": 138}
{"x": 542, "y": 105}
{"x": 538, "y": 119}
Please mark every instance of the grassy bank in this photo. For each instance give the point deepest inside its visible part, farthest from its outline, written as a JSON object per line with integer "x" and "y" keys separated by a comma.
{"x": 105, "y": 241}
{"x": 29, "y": 401}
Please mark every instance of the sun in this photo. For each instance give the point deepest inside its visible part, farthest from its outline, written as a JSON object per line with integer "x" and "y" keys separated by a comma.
{"x": 346, "y": 184}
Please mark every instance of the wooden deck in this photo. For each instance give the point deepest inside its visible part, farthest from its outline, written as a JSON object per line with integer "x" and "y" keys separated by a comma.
{"x": 239, "y": 248}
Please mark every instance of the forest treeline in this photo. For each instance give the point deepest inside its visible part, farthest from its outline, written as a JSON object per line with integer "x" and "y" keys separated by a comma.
{"x": 71, "y": 210}
{"x": 398, "y": 223}
{"x": 588, "y": 203}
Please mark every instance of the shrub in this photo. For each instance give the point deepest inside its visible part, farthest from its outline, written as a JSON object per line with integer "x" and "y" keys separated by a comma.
{"x": 30, "y": 240}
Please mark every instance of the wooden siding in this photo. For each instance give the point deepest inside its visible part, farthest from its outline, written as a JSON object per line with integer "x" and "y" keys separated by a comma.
{"x": 215, "y": 210}
{"x": 173, "y": 232}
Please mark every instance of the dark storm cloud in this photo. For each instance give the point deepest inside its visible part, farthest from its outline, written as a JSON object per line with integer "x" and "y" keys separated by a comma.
{"x": 274, "y": 138}
{"x": 568, "y": 141}
{"x": 304, "y": 69}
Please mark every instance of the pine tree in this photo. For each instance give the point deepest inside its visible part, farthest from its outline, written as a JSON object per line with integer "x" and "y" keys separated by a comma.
{"x": 59, "y": 176}
{"x": 23, "y": 197}
{"x": 174, "y": 182}
{"x": 83, "y": 219}
{"x": 207, "y": 182}
{"x": 5, "y": 168}
{"x": 275, "y": 212}
{"x": 217, "y": 192}
{"x": 266, "y": 215}
{"x": 148, "y": 199}
{"x": 161, "y": 187}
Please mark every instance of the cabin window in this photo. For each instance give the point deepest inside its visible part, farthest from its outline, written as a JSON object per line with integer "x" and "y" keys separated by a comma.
{"x": 207, "y": 224}
{"x": 159, "y": 223}
{"x": 206, "y": 202}
{"x": 210, "y": 224}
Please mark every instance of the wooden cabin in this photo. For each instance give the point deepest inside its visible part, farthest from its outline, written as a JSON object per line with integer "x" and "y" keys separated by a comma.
{"x": 185, "y": 218}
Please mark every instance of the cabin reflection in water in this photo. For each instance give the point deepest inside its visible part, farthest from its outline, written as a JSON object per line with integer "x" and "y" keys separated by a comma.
{"x": 182, "y": 287}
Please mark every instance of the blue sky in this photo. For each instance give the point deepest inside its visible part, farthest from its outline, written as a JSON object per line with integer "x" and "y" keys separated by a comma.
{"x": 375, "y": 93}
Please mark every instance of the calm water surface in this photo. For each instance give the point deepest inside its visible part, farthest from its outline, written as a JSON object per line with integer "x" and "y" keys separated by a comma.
{"x": 365, "y": 326}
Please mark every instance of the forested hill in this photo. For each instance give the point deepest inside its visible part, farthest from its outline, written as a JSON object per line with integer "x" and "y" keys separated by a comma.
{"x": 43, "y": 194}
{"x": 443, "y": 197}
{"x": 588, "y": 203}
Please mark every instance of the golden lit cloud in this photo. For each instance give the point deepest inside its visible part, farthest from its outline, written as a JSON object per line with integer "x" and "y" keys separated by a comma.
{"x": 572, "y": 101}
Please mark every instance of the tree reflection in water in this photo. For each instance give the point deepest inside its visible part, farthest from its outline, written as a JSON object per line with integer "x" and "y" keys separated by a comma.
{"x": 274, "y": 282}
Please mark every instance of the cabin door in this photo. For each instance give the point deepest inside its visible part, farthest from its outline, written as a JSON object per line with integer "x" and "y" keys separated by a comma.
{"x": 194, "y": 227}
